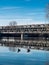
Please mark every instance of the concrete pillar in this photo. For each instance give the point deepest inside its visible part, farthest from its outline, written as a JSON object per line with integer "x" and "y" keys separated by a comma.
{"x": 21, "y": 36}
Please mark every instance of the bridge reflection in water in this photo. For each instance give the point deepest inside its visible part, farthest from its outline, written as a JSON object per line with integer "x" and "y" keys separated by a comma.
{"x": 24, "y": 44}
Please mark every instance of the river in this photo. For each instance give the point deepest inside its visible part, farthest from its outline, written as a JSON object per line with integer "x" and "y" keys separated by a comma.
{"x": 11, "y": 56}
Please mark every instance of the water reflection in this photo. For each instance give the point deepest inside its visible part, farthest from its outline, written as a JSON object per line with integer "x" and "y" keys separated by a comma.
{"x": 18, "y": 50}
{"x": 20, "y": 56}
{"x": 12, "y": 49}
{"x": 13, "y": 46}
{"x": 28, "y": 50}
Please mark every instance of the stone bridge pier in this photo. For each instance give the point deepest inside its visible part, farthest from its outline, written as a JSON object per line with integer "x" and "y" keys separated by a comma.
{"x": 21, "y": 36}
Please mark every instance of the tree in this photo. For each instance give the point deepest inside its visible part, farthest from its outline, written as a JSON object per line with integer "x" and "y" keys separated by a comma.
{"x": 13, "y": 23}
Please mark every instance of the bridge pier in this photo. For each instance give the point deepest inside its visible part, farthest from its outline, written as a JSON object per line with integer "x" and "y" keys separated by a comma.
{"x": 21, "y": 36}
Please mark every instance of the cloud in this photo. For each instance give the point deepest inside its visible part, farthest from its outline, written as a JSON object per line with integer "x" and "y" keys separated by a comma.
{"x": 7, "y": 8}
{"x": 23, "y": 21}
{"x": 36, "y": 13}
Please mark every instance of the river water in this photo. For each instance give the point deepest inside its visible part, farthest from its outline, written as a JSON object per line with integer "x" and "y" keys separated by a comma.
{"x": 11, "y": 56}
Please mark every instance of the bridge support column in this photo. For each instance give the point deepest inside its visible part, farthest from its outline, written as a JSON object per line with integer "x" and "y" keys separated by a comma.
{"x": 21, "y": 36}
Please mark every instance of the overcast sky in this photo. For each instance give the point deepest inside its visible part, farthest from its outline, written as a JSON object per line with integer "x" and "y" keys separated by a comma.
{"x": 23, "y": 11}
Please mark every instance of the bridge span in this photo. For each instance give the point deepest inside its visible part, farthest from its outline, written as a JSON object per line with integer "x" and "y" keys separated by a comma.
{"x": 31, "y": 35}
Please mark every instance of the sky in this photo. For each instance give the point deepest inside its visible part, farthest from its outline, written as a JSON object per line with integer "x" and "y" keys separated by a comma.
{"x": 24, "y": 12}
